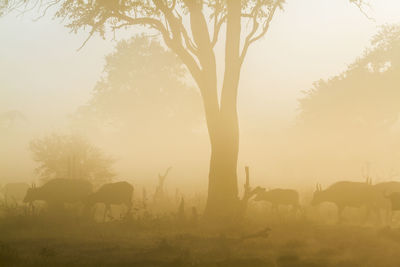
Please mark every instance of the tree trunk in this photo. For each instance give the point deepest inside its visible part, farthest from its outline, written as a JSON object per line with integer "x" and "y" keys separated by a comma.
{"x": 221, "y": 116}
{"x": 223, "y": 201}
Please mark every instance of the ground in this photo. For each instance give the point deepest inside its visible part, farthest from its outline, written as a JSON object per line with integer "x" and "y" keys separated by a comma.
{"x": 39, "y": 241}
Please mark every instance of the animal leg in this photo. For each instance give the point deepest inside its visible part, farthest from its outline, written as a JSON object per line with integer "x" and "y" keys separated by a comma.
{"x": 393, "y": 218}
{"x": 299, "y": 211}
{"x": 129, "y": 205}
{"x": 32, "y": 208}
{"x": 374, "y": 210}
{"x": 389, "y": 216}
{"x": 278, "y": 214}
{"x": 378, "y": 214}
{"x": 110, "y": 213}
{"x": 295, "y": 209}
{"x": 274, "y": 209}
{"x": 340, "y": 214}
{"x": 106, "y": 208}
{"x": 15, "y": 201}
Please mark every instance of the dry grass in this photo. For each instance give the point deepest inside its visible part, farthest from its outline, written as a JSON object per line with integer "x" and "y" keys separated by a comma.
{"x": 71, "y": 241}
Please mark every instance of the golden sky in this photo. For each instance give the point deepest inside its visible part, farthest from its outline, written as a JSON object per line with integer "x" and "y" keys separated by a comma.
{"x": 43, "y": 75}
{"x": 311, "y": 39}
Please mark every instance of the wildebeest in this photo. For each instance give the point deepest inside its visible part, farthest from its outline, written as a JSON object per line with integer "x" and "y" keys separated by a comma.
{"x": 14, "y": 191}
{"x": 278, "y": 197}
{"x": 57, "y": 192}
{"x": 112, "y": 194}
{"x": 349, "y": 194}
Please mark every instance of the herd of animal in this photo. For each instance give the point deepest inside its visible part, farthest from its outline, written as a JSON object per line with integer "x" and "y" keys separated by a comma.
{"x": 57, "y": 192}
{"x": 374, "y": 198}
{"x": 383, "y": 196}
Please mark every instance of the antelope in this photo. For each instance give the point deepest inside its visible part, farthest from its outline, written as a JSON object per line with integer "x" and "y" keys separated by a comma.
{"x": 111, "y": 194}
{"x": 57, "y": 192}
{"x": 349, "y": 194}
{"x": 279, "y": 197}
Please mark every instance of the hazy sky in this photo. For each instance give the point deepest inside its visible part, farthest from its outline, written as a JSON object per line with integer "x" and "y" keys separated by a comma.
{"x": 43, "y": 75}
{"x": 41, "y": 71}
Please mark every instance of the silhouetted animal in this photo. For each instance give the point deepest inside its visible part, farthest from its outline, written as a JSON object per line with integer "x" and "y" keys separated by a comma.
{"x": 349, "y": 194}
{"x": 60, "y": 191}
{"x": 386, "y": 189}
{"x": 279, "y": 197}
{"x": 112, "y": 194}
{"x": 14, "y": 191}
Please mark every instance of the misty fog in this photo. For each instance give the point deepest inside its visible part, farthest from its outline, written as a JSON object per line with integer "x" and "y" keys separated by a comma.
{"x": 270, "y": 142}
{"x": 200, "y": 120}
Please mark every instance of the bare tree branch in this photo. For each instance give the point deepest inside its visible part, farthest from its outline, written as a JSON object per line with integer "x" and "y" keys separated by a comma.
{"x": 51, "y": 4}
{"x": 251, "y": 38}
{"x": 217, "y": 29}
{"x": 94, "y": 29}
{"x": 188, "y": 41}
{"x": 360, "y": 4}
{"x": 219, "y": 19}
{"x": 175, "y": 41}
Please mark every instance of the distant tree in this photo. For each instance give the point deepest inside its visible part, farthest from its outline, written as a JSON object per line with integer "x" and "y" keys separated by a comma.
{"x": 70, "y": 156}
{"x": 9, "y": 118}
{"x": 194, "y": 43}
{"x": 3, "y": 6}
{"x": 366, "y": 96}
{"x": 144, "y": 87}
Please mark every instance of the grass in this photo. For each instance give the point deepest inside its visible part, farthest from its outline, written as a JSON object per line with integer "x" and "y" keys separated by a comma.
{"x": 69, "y": 241}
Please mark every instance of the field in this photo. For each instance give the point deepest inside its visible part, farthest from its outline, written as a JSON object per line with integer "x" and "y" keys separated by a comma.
{"x": 71, "y": 241}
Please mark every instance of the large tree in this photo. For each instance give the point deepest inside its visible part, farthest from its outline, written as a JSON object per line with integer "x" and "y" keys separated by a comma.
{"x": 365, "y": 97}
{"x": 70, "y": 157}
{"x": 143, "y": 91}
{"x": 191, "y": 29}
{"x": 9, "y": 118}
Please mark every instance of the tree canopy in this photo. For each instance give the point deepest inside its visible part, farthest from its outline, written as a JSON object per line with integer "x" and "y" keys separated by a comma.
{"x": 70, "y": 156}
{"x": 10, "y": 117}
{"x": 365, "y": 96}
{"x": 193, "y": 45}
{"x": 144, "y": 87}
